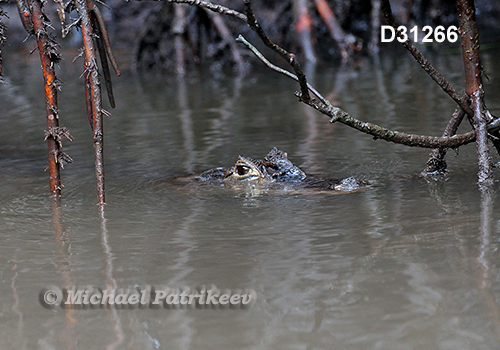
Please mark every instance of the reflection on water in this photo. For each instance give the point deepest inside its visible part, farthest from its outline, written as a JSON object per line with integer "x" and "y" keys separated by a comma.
{"x": 407, "y": 264}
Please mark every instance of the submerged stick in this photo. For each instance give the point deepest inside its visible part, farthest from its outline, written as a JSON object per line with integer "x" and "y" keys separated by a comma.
{"x": 436, "y": 163}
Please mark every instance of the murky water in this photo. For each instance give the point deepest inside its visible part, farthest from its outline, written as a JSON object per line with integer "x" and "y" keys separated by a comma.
{"x": 407, "y": 264}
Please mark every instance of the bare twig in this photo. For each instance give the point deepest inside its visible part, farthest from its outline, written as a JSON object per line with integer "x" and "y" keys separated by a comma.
{"x": 213, "y": 7}
{"x": 323, "y": 105}
{"x": 67, "y": 29}
{"x": 289, "y": 57}
{"x": 250, "y": 19}
{"x": 335, "y": 113}
{"x": 379, "y": 132}
{"x": 261, "y": 57}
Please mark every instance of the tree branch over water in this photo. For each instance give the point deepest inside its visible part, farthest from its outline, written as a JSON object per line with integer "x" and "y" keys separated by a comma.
{"x": 335, "y": 114}
{"x": 95, "y": 38}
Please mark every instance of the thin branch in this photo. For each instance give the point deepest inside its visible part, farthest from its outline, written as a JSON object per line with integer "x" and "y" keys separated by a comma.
{"x": 261, "y": 57}
{"x": 378, "y": 132}
{"x": 213, "y": 7}
{"x": 289, "y": 57}
{"x": 250, "y": 19}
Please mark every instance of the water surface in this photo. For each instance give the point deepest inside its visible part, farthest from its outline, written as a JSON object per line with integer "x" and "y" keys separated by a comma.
{"x": 407, "y": 264}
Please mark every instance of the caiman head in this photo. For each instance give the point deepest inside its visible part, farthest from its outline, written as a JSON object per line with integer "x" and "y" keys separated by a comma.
{"x": 278, "y": 169}
{"x": 274, "y": 167}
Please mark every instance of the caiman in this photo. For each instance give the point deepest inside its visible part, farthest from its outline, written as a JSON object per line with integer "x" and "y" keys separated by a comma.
{"x": 278, "y": 172}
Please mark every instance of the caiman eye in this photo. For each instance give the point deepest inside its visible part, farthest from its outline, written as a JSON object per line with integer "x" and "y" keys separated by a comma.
{"x": 242, "y": 170}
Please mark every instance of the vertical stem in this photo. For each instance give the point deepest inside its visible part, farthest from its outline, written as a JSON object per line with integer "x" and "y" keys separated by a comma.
{"x": 303, "y": 26}
{"x": 92, "y": 91}
{"x": 178, "y": 28}
{"x": 374, "y": 27}
{"x": 436, "y": 163}
{"x": 45, "y": 49}
{"x": 333, "y": 25}
{"x": 3, "y": 38}
{"x": 473, "y": 84}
